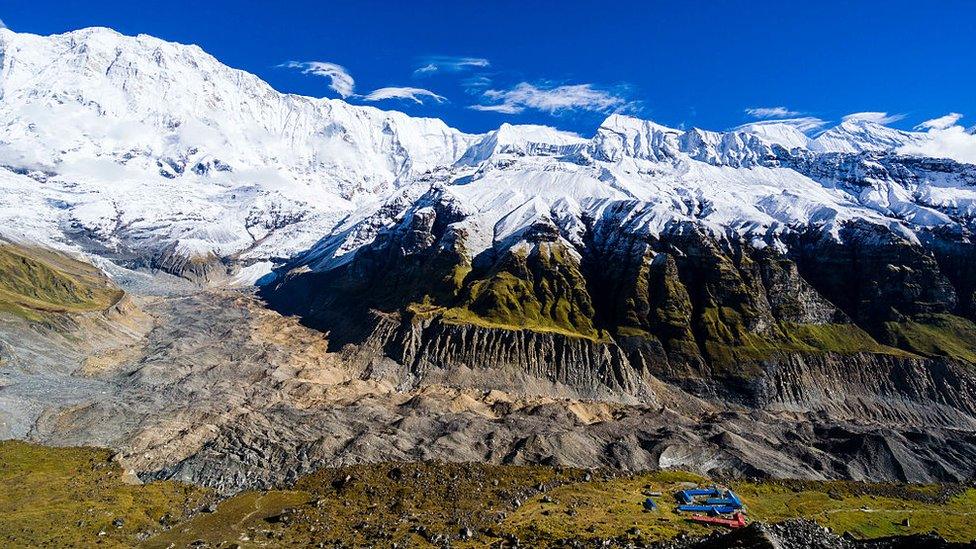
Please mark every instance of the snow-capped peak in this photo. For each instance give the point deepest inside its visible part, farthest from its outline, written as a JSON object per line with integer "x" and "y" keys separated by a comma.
{"x": 624, "y": 123}
{"x": 857, "y": 135}
{"x": 522, "y": 140}
{"x": 97, "y": 92}
{"x": 778, "y": 132}
{"x": 625, "y": 136}
{"x": 145, "y": 145}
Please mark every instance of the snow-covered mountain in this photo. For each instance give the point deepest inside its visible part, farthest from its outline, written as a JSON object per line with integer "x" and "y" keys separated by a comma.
{"x": 156, "y": 154}
{"x": 139, "y": 144}
{"x": 855, "y": 136}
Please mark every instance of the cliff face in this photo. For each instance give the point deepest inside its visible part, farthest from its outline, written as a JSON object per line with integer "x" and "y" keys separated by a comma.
{"x": 864, "y": 325}
{"x": 437, "y": 351}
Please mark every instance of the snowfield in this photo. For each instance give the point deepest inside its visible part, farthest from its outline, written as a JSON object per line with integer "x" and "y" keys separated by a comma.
{"x": 133, "y": 147}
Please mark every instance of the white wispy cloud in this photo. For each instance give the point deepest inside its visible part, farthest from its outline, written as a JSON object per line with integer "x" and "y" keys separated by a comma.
{"x": 2, "y": 24}
{"x": 504, "y": 109}
{"x": 476, "y": 82}
{"x": 523, "y": 96}
{"x": 416, "y": 95}
{"x": 875, "y": 117}
{"x": 339, "y": 78}
{"x": 947, "y": 139}
{"x": 940, "y": 123}
{"x": 446, "y": 63}
{"x": 772, "y": 112}
{"x": 342, "y": 83}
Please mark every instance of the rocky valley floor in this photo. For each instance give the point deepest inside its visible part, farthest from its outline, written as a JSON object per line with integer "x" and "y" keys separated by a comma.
{"x": 213, "y": 388}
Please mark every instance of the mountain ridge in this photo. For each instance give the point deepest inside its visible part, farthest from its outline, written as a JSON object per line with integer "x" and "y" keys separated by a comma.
{"x": 239, "y": 186}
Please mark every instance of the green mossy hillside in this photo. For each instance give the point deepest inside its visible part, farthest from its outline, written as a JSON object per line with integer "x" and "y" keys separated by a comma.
{"x": 539, "y": 288}
{"x": 77, "y": 497}
{"x": 935, "y": 335}
{"x": 650, "y": 302}
{"x": 732, "y": 311}
{"x": 730, "y": 308}
{"x": 729, "y": 341}
{"x": 35, "y": 281}
{"x": 688, "y": 304}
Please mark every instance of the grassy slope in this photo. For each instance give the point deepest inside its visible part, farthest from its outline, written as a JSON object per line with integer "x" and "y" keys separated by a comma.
{"x": 66, "y": 496}
{"x": 867, "y": 511}
{"x": 606, "y": 508}
{"x": 936, "y": 335}
{"x": 444, "y": 498}
{"x": 35, "y": 281}
{"x": 541, "y": 290}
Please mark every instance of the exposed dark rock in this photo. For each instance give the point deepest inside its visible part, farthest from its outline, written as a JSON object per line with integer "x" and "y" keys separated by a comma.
{"x": 821, "y": 326}
{"x": 804, "y": 534}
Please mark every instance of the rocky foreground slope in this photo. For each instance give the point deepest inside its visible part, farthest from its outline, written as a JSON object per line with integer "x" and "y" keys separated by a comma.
{"x": 46, "y": 499}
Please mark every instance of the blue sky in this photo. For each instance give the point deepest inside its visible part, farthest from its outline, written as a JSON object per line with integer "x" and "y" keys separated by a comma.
{"x": 568, "y": 64}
